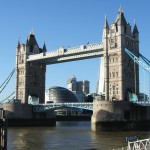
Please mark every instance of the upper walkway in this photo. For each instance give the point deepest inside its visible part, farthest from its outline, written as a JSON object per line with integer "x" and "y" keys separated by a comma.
{"x": 69, "y": 54}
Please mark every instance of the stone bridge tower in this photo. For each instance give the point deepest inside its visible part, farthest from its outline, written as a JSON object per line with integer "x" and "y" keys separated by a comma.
{"x": 30, "y": 76}
{"x": 121, "y": 73}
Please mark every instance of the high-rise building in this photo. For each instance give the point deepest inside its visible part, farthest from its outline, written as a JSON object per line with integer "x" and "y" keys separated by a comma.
{"x": 80, "y": 88}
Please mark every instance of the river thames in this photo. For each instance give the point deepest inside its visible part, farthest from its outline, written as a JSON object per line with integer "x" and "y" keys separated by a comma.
{"x": 67, "y": 136}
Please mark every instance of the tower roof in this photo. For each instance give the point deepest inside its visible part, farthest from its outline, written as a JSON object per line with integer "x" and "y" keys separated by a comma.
{"x": 135, "y": 29}
{"x": 31, "y": 40}
{"x": 44, "y": 48}
{"x": 18, "y": 44}
{"x": 120, "y": 20}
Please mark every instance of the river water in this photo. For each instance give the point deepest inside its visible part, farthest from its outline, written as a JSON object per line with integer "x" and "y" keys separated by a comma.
{"x": 67, "y": 136}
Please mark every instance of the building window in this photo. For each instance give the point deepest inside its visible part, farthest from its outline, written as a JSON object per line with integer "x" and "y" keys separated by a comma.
{"x": 116, "y": 59}
{"x": 116, "y": 74}
{"x": 113, "y": 74}
{"x": 117, "y": 90}
{"x": 113, "y": 89}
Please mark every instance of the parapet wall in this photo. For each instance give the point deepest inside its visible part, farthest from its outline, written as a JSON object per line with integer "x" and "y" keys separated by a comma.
{"x": 18, "y": 111}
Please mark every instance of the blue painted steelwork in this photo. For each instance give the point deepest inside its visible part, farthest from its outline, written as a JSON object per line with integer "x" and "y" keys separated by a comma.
{"x": 44, "y": 107}
{"x": 137, "y": 60}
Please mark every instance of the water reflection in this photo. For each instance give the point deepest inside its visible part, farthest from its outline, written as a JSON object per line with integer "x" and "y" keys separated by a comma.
{"x": 67, "y": 136}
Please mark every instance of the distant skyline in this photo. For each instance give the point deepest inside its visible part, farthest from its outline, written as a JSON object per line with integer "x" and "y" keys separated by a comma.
{"x": 66, "y": 23}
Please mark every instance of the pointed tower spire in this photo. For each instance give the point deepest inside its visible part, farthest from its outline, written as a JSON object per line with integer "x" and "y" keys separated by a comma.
{"x": 27, "y": 41}
{"x": 120, "y": 9}
{"x": 120, "y": 20}
{"x": 31, "y": 39}
{"x": 135, "y": 29}
{"x": 44, "y": 47}
{"x": 18, "y": 45}
{"x": 135, "y": 32}
{"x": 106, "y": 26}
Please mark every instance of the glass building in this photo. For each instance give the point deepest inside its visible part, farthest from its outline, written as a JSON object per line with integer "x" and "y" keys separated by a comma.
{"x": 60, "y": 95}
{"x": 57, "y": 94}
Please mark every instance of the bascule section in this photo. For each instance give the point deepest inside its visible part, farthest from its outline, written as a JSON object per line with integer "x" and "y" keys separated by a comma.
{"x": 30, "y": 76}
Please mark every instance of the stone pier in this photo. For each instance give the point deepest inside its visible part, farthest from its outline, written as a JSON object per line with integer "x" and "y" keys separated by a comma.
{"x": 19, "y": 114}
{"x": 119, "y": 116}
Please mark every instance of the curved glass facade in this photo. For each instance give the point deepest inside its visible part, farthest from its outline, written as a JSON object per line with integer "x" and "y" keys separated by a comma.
{"x": 61, "y": 95}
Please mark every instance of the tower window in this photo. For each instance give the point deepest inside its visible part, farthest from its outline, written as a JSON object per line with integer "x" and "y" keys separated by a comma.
{"x": 116, "y": 74}
{"x": 117, "y": 90}
{"x": 113, "y": 74}
{"x": 113, "y": 89}
{"x": 116, "y": 59}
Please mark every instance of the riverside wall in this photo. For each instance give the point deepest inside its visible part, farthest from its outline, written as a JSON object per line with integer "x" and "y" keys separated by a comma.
{"x": 119, "y": 115}
{"x": 18, "y": 114}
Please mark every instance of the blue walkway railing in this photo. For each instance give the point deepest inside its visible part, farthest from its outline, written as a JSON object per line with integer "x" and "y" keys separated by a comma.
{"x": 44, "y": 107}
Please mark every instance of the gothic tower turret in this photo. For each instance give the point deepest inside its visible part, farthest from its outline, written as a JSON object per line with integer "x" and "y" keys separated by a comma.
{"x": 121, "y": 74}
{"x": 30, "y": 75}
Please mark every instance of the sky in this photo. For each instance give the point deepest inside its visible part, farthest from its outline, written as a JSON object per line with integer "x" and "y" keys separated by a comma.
{"x": 66, "y": 23}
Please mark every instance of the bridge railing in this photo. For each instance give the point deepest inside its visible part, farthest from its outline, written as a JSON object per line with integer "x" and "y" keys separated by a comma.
{"x": 136, "y": 145}
{"x": 139, "y": 145}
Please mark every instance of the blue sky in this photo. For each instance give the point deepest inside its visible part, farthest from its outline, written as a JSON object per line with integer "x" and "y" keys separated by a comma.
{"x": 65, "y": 23}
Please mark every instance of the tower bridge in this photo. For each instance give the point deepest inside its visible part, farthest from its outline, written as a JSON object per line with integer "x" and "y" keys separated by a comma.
{"x": 118, "y": 76}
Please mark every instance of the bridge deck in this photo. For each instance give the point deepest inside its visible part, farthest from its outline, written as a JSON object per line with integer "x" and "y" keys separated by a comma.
{"x": 70, "y": 54}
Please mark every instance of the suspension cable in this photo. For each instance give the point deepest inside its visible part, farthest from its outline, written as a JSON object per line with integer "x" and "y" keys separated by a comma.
{"x": 145, "y": 59}
{"x": 7, "y": 97}
{"x": 2, "y": 87}
{"x": 7, "y": 78}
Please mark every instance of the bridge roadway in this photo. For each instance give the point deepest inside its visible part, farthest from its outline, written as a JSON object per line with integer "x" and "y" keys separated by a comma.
{"x": 70, "y": 54}
{"x": 83, "y": 105}
{"x": 44, "y": 107}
